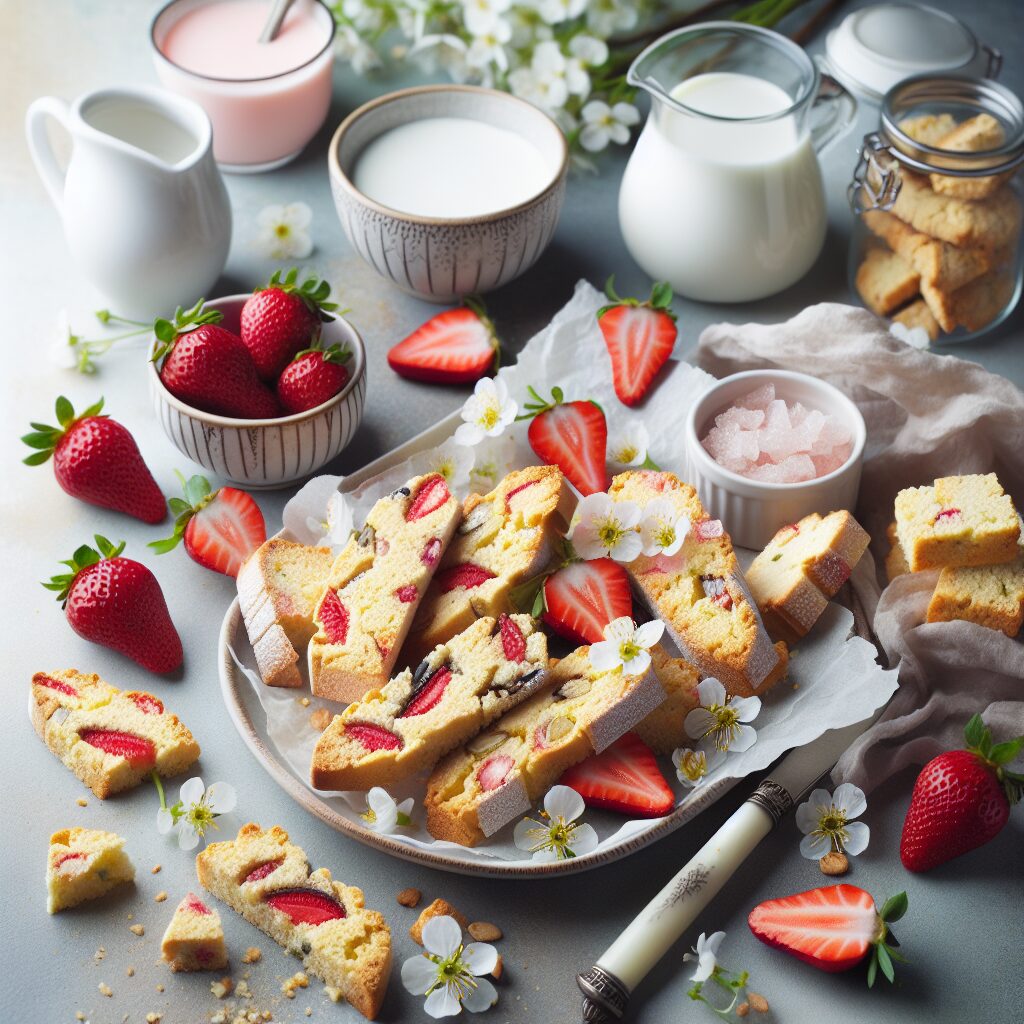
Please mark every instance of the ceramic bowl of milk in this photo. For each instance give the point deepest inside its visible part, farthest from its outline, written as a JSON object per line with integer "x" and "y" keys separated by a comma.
{"x": 265, "y": 100}
{"x": 448, "y": 190}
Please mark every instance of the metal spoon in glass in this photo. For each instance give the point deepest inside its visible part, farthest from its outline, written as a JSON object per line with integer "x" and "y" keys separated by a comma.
{"x": 278, "y": 9}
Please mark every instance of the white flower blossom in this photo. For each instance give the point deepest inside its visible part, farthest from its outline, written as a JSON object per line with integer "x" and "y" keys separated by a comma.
{"x": 493, "y": 459}
{"x": 826, "y": 821}
{"x": 383, "y": 815}
{"x": 351, "y": 47}
{"x": 663, "y": 528}
{"x": 627, "y": 447}
{"x": 559, "y": 837}
{"x": 481, "y": 16}
{"x": 337, "y": 525}
{"x": 603, "y": 124}
{"x": 589, "y": 51}
{"x": 706, "y": 955}
{"x": 488, "y": 48}
{"x": 721, "y": 719}
{"x": 442, "y": 50}
{"x": 487, "y": 412}
{"x": 694, "y": 766}
{"x": 364, "y": 17}
{"x": 195, "y": 810}
{"x": 450, "y": 974}
{"x": 606, "y": 529}
{"x": 626, "y": 645}
{"x": 283, "y": 233}
{"x": 554, "y": 66}
{"x": 554, "y": 12}
{"x": 606, "y": 17}
{"x": 916, "y": 337}
{"x": 454, "y": 462}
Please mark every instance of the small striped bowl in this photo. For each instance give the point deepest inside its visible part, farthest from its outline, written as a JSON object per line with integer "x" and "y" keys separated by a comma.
{"x": 267, "y": 454}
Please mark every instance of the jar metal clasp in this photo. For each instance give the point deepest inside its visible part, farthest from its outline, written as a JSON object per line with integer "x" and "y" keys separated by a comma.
{"x": 876, "y": 178}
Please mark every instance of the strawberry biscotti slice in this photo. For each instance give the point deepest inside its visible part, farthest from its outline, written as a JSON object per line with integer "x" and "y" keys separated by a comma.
{"x": 268, "y": 881}
{"x": 802, "y": 569}
{"x": 375, "y": 587}
{"x": 699, "y": 591}
{"x": 458, "y": 689}
{"x": 110, "y": 739}
{"x": 194, "y": 940}
{"x": 502, "y": 772}
{"x": 503, "y": 538}
{"x": 278, "y": 588}
{"x": 82, "y": 864}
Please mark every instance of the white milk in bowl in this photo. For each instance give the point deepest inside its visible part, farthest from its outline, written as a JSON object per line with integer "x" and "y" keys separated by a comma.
{"x": 450, "y": 167}
{"x": 724, "y": 208}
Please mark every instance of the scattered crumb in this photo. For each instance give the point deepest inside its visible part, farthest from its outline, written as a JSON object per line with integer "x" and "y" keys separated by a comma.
{"x": 155, "y": 869}
{"x": 131, "y": 917}
{"x": 743, "y": 1009}
{"x": 82, "y": 802}
{"x": 137, "y": 929}
{"x": 242, "y": 989}
{"x": 160, "y": 988}
{"x": 252, "y": 955}
{"x": 154, "y": 1018}
{"x": 834, "y": 864}
{"x": 796, "y": 686}
{"x": 296, "y": 981}
{"x": 80, "y": 1016}
{"x": 304, "y": 701}
{"x": 160, "y": 897}
{"x": 106, "y": 990}
{"x": 439, "y": 908}
{"x": 484, "y": 931}
{"x": 99, "y": 954}
{"x": 309, "y": 1011}
{"x": 757, "y": 1002}
{"x": 130, "y": 972}
{"x": 499, "y": 967}
{"x": 409, "y": 897}
{"x": 320, "y": 719}
{"x": 222, "y": 988}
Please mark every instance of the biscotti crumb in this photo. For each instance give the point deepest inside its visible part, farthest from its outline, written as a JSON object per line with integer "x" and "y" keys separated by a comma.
{"x": 743, "y": 1009}
{"x": 222, "y": 988}
{"x": 154, "y": 1018}
{"x": 757, "y": 1002}
{"x": 155, "y": 869}
{"x": 159, "y": 987}
{"x": 320, "y": 719}
{"x": 439, "y": 908}
{"x": 309, "y": 1011}
{"x": 130, "y": 972}
{"x": 252, "y": 955}
{"x": 834, "y": 863}
{"x": 80, "y": 1016}
{"x": 296, "y": 981}
{"x": 82, "y": 802}
{"x": 304, "y": 701}
{"x": 100, "y": 953}
{"x": 137, "y": 929}
{"x": 499, "y": 967}
{"x": 484, "y": 931}
{"x": 160, "y": 897}
{"x": 242, "y": 989}
{"x": 105, "y": 989}
{"x": 409, "y": 897}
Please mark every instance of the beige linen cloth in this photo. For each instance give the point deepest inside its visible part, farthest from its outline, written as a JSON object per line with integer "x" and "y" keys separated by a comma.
{"x": 927, "y": 416}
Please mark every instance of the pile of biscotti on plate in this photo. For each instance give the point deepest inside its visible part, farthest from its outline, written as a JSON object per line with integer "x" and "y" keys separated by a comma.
{"x": 943, "y": 257}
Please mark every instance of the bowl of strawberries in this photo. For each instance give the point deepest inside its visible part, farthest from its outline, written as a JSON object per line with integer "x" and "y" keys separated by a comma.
{"x": 262, "y": 389}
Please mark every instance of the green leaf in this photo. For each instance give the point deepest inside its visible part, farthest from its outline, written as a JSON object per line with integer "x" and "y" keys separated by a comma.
{"x": 557, "y": 394}
{"x": 873, "y": 967}
{"x": 164, "y": 330}
{"x": 40, "y": 439}
{"x": 893, "y": 955}
{"x": 93, "y": 410}
{"x": 196, "y": 490}
{"x": 885, "y": 962}
{"x": 83, "y": 555}
{"x": 161, "y": 547}
{"x": 65, "y": 411}
{"x": 661, "y": 295}
{"x": 37, "y": 458}
{"x": 1001, "y": 753}
{"x": 178, "y": 506}
{"x": 974, "y": 731}
{"x": 108, "y": 549}
{"x": 894, "y": 907}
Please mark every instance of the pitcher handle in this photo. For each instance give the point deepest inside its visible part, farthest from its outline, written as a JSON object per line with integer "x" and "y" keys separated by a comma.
{"x": 835, "y": 108}
{"x": 39, "y": 146}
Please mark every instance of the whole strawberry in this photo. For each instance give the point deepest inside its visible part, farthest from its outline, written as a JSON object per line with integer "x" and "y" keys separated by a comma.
{"x": 210, "y": 368}
{"x": 97, "y": 460}
{"x": 961, "y": 799}
{"x": 118, "y": 603}
{"x": 284, "y": 317}
{"x": 312, "y": 377}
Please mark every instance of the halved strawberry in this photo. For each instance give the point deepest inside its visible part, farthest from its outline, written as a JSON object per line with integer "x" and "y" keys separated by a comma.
{"x": 306, "y": 906}
{"x": 221, "y": 528}
{"x": 373, "y": 737}
{"x": 433, "y": 493}
{"x": 572, "y": 436}
{"x": 494, "y": 771}
{"x": 457, "y": 346}
{"x": 832, "y": 928}
{"x": 334, "y": 617}
{"x": 431, "y": 551}
{"x": 136, "y": 750}
{"x": 581, "y": 599}
{"x": 65, "y": 857}
{"x": 407, "y": 594}
{"x": 466, "y": 576}
{"x": 55, "y": 684}
{"x": 430, "y": 694}
{"x": 640, "y": 337}
{"x": 267, "y": 868}
{"x": 146, "y": 702}
{"x": 625, "y": 778}
{"x": 513, "y": 643}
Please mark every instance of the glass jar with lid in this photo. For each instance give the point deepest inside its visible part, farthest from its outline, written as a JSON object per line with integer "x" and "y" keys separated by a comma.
{"x": 936, "y": 242}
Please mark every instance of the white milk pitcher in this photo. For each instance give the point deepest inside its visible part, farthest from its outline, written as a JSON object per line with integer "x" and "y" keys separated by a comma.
{"x": 723, "y": 196}
{"x": 145, "y": 211}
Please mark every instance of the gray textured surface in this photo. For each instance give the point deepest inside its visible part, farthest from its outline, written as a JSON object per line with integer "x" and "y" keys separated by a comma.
{"x": 964, "y": 930}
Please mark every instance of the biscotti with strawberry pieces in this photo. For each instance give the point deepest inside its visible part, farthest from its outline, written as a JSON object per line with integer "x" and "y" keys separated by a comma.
{"x": 267, "y": 879}
{"x": 375, "y": 587}
{"x": 83, "y": 864}
{"x": 457, "y": 690}
{"x": 801, "y": 570}
{"x": 503, "y": 771}
{"x": 194, "y": 939}
{"x": 278, "y": 588}
{"x": 503, "y": 538}
{"x": 109, "y": 739}
{"x": 700, "y": 592}
{"x": 989, "y": 595}
{"x": 958, "y": 521}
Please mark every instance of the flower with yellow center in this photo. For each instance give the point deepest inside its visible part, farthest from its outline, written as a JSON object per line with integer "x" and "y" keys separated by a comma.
{"x": 606, "y": 529}
{"x": 559, "y": 836}
{"x": 194, "y": 813}
{"x": 487, "y": 412}
{"x": 720, "y": 721}
{"x": 283, "y": 231}
{"x": 625, "y": 646}
{"x": 663, "y": 528}
{"x": 827, "y": 822}
{"x": 694, "y": 766}
{"x": 627, "y": 446}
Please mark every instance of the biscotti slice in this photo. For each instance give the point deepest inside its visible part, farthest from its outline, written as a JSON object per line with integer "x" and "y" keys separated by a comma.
{"x": 917, "y": 314}
{"x": 699, "y": 592}
{"x": 457, "y": 690}
{"x": 110, "y": 739}
{"x": 82, "y": 864}
{"x": 268, "y": 880}
{"x": 989, "y": 595}
{"x": 802, "y": 569}
{"x": 503, "y": 538}
{"x": 278, "y": 588}
{"x": 194, "y": 940}
{"x": 664, "y": 729}
{"x": 972, "y": 307}
{"x": 503, "y": 771}
{"x": 960, "y": 520}
{"x": 885, "y": 281}
{"x": 375, "y": 587}
{"x": 896, "y": 560}
{"x": 971, "y": 136}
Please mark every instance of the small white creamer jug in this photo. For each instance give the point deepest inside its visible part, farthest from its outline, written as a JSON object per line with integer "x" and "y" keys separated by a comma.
{"x": 145, "y": 210}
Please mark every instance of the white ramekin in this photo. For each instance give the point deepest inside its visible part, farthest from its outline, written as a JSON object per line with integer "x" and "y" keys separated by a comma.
{"x": 752, "y": 510}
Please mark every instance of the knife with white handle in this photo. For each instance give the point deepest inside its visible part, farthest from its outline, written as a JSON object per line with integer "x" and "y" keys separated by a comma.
{"x": 607, "y": 985}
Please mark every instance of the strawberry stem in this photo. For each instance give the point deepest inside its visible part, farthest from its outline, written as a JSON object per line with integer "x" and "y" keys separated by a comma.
{"x": 168, "y": 331}
{"x": 82, "y": 559}
{"x": 313, "y": 291}
{"x": 539, "y": 404}
{"x": 883, "y": 949}
{"x": 997, "y": 756}
{"x": 198, "y": 494}
{"x": 45, "y": 438}
{"x": 659, "y": 299}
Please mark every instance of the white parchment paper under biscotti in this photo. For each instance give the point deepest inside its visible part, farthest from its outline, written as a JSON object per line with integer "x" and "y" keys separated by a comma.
{"x": 833, "y": 681}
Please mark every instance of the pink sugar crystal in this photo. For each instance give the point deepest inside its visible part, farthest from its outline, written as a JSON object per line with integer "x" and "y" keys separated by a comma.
{"x": 760, "y": 398}
{"x": 833, "y": 433}
{"x": 745, "y": 419}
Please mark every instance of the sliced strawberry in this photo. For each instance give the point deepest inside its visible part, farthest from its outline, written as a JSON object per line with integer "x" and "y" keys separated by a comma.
{"x": 65, "y": 857}
{"x": 639, "y": 337}
{"x": 714, "y": 590}
{"x": 433, "y": 493}
{"x": 624, "y": 778}
{"x": 708, "y": 529}
{"x": 518, "y": 490}
{"x": 267, "y": 868}
{"x": 429, "y": 695}
{"x": 306, "y": 906}
{"x": 136, "y": 750}
{"x": 946, "y": 513}
{"x": 55, "y": 684}
{"x": 494, "y": 771}
{"x": 583, "y": 597}
{"x": 146, "y": 702}
{"x": 194, "y": 905}
{"x": 407, "y": 594}
{"x": 572, "y": 436}
{"x": 465, "y": 576}
{"x": 373, "y": 737}
{"x": 431, "y": 551}
{"x": 457, "y": 346}
{"x": 513, "y": 643}
{"x": 334, "y": 617}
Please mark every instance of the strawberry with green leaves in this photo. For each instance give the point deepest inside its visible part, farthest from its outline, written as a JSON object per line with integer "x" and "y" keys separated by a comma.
{"x": 221, "y": 528}
{"x": 117, "y": 602}
{"x": 313, "y": 377}
{"x": 97, "y": 460}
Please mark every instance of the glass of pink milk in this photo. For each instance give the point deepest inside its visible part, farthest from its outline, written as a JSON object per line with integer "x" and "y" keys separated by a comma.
{"x": 265, "y": 100}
